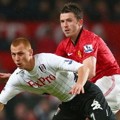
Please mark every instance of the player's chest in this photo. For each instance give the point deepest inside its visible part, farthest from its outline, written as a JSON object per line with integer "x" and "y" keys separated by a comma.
{"x": 42, "y": 76}
{"x": 74, "y": 52}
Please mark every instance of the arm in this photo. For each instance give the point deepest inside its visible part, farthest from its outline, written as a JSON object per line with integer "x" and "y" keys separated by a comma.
{"x": 90, "y": 62}
{"x": 60, "y": 50}
{"x": 83, "y": 73}
{"x": 4, "y": 77}
{"x": 1, "y": 107}
{"x": 64, "y": 64}
{"x": 10, "y": 90}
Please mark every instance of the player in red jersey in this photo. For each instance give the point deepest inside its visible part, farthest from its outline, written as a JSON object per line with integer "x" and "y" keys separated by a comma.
{"x": 89, "y": 49}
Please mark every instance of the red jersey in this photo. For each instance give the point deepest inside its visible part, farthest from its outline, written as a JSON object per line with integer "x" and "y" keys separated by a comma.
{"x": 89, "y": 44}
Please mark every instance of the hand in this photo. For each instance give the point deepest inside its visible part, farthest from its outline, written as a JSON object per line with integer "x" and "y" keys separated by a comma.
{"x": 1, "y": 107}
{"x": 77, "y": 89}
{"x": 4, "y": 77}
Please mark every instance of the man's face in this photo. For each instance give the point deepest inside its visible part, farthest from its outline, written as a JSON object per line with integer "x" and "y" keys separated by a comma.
{"x": 70, "y": 24}
{"x": 21, "y": 56}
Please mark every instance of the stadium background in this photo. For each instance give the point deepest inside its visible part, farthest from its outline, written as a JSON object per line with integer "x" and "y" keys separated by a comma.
{"x": 38, "y": 20}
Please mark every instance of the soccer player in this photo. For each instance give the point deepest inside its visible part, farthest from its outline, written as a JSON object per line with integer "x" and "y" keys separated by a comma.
{"x": 86, "y": 47}
{"x": 58, "y": 76}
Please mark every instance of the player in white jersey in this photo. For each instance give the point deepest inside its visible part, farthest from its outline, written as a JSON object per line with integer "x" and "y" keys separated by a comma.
{"x": 55, "y": 75}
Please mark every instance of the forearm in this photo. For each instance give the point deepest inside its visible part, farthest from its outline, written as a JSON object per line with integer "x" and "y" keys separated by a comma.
{"x": 4, "y": 77}
{"x": 83, "y": 74}
{"x": 1, "y": 107}
{"x": 90, "y": 62}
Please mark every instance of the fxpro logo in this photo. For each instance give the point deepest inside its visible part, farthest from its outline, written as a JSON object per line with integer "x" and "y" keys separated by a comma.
{"x": 42, "y": 81}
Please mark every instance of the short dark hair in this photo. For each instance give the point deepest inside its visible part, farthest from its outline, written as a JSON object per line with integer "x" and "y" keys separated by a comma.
{"x": 74, "y": 8}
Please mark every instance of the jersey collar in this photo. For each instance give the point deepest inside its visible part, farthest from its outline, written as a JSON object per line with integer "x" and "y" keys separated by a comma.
{"x": 78, "y": 36}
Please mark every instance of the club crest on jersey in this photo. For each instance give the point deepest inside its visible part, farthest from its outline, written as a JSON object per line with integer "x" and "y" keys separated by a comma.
{"x": 88, "y": 48}
{"x": 69, "y": 61}
{"x": 79, "y": 53}
{"x": 42, "y": 68}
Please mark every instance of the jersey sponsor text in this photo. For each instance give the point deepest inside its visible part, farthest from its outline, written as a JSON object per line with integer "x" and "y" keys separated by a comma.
{"x": 42, "y": 81}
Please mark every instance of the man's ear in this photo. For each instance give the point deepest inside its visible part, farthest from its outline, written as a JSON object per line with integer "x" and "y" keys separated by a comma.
{"x": 31, "y": 52}
{"x": 81, "y": 22}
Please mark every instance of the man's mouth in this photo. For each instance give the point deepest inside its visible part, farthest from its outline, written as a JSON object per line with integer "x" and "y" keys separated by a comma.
{"x": 67, "y": 31}
{"x": 18, "y": 64}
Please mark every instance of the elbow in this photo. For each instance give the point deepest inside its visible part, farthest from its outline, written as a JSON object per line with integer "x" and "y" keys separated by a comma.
{"x": 91, "y": 75}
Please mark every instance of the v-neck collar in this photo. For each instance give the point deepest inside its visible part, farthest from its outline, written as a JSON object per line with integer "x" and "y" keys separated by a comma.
{"x": 78, "y": 37}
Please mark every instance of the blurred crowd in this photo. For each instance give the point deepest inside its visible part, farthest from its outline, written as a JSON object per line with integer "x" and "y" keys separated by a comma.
{"x": 28, "y": 106}
{"x": 96, "y": 10}
{"x": 45, "y": 39}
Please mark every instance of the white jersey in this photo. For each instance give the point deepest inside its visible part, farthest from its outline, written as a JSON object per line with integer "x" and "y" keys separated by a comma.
{"x": 51, "y": 74}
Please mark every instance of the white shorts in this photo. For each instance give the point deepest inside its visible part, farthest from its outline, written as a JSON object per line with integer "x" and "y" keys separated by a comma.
{"x": 110, "y": 86}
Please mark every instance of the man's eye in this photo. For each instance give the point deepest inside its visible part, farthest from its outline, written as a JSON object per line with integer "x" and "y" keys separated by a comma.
{"x": 20, "y": 54}
{"x": 13, "y": 54}
{"x": 69, "y": 20}
{"x": 62, "y": 21}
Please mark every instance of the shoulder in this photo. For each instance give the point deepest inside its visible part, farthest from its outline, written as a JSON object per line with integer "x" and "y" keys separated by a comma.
{"x": 44, "y": 58}
{"x": 15, "y": 77}
{"x": 88, "y": 33}
{"x": 64, "y": 42}
{"x": 90, "y": 36}
{"x": 17, "y": 73}
{"x": 43, "y": 55}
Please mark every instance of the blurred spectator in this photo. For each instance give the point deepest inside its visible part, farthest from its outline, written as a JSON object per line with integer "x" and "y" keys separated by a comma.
{"x": 116, "y": 11}
{"x": 44, "y": 37}
{"x": 49, "y": 9}
{"x": 46, "y": 107}
{"x": 42, "y": 110}
{"x": 58, "y": 34}
{"x": 22, "y": 112}
{"x": 102, "y": 10}
{"x": 4, "y": 44}
{"x": 21, "y": 10}
{"x": 97, "y": 10}
{"x": 99, "y": 30}
{"x": 5, "y": 9}
{"x": 58, "y": 4}
{"x": 3, "y": 115}
{"x": 43, "y": 10}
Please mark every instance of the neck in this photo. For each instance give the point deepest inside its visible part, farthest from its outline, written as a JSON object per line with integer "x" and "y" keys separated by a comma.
{"x": 31, "y": 64}
{"x": 75, "y": 38}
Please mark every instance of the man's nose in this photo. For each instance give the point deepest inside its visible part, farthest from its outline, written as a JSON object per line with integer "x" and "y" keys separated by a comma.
{"x": 17, "y": 58}
{"x": 65, "y": 24}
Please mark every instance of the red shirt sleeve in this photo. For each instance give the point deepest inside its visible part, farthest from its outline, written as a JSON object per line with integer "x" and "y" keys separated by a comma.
{"x": 60, "y": 50}
{"x": 90, "y": 47}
